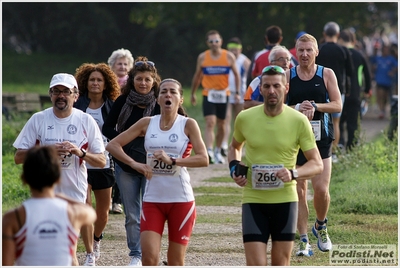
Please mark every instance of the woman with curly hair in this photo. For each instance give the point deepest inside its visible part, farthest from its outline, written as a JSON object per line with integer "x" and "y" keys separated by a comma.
{"x": 138, "y": 99}
{"x": 98, "y": 88}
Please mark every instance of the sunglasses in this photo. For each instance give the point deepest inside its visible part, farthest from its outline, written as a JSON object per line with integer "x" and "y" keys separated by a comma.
{"x": 140, "y": 63}
{"x": 274, "y": 68}
{"x": 211, "y": 41}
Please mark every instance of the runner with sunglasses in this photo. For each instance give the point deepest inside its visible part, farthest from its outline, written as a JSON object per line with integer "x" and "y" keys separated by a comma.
{"x": 138, "y": 99}
{"x": 212, "y": 72}
{"x": 279, "y": 55}
{"x": 269, "y": 208}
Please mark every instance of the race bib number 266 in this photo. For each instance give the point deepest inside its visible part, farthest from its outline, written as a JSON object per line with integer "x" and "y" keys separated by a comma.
{"x": 264, "y": 177}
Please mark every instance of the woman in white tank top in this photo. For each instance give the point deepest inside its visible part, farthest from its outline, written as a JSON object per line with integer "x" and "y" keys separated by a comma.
{"x": 44, "y": 230}
{"x": 169, "y": 139}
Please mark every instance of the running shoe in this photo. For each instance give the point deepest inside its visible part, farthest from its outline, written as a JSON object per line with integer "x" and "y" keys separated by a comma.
{"x": 364, "y": 107}
{"x": 324, "y": 243}
{"x": 219, "y": 158}
{"x": 335, "y": 158}
{"x": 305, "y": 249}
{"x": 135, "y": 261}
{"x": 224, "y": 151}
{"x": 90, "y": 259}
{"x": 116, "y": 208}
{"x": 211, "y": 157}
{"x": 96, "y": 249}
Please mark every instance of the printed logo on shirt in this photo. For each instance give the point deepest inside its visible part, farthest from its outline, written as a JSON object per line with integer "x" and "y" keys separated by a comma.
{"x": 47, "y": 230}
{"x": 317, "y": 85}
{"x": 72, "y": 129}
{"x": 173, "y": 138}
{"x": 153, "y": 136}
{"x": 50, "y": 127}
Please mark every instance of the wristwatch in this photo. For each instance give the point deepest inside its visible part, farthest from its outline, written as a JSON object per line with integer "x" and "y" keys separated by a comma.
{"x": 314, "y": 105}
{"x": 83, "y": 153}
{"x": 173, "y": 161}
{"x": 294, "y": 173}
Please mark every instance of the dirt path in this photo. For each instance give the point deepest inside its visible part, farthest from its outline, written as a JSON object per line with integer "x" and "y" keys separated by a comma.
{"x": 213, "y": 244}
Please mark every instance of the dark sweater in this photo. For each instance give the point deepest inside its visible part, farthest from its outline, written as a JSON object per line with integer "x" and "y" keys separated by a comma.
{"x": 135, "y": 148}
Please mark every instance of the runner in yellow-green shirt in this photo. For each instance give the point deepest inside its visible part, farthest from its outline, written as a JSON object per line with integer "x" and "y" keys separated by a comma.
{"x": 273, "y": 134}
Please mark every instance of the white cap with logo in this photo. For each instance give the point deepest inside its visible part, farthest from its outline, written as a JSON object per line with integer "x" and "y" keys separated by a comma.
{"x": 63, "y": 79}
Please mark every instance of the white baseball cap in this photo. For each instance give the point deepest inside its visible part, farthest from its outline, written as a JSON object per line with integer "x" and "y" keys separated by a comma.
{"x": 63, "y": 79}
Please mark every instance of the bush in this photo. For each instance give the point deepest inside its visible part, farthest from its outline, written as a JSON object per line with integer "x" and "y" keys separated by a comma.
{"x": 365, "y": 181}
{"x": 11, "y": 129}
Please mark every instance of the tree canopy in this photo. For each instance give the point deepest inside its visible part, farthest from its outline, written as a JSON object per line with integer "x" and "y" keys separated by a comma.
{"x": 172, "y": 34}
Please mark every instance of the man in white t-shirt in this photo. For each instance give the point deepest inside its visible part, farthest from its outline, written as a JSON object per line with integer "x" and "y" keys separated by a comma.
{"x": 74, "y": 133}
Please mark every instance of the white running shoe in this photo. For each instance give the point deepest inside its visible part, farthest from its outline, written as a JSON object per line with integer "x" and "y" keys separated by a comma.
{"x": 305, "y": 249}
{"x": 117, "y": 208}
{"x": 335, "y": 158}
{"x": 96, "y": 249}
{"x": 135, "y": 261}
{"x": 324, "y": 243}
{"x": 219, "y": 158}
{"x": 90, "y": 259}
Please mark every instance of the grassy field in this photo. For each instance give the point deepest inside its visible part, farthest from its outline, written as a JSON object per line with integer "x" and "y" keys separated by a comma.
{"x": 364, "y": 185}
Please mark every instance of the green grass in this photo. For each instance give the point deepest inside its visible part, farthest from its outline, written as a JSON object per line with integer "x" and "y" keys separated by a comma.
{"x": 218, "y": 218}
{"x": 13, "y": 191}
{"x": 221, "y": 179}
{"x": 28, "y": 73}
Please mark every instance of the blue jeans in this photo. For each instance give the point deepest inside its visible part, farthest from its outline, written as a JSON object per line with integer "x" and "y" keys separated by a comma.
{"x": 131, "y": 188}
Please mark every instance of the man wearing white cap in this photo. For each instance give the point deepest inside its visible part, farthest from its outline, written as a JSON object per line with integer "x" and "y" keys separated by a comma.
{"x": 74, "y": 133}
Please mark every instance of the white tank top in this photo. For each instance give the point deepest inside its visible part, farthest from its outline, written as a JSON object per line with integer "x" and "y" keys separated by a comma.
{"x": 169, "y": 183}
{"x": 243, "y": 78}
{"x": 47, "y": 238}
{"x": 98, "y": 117}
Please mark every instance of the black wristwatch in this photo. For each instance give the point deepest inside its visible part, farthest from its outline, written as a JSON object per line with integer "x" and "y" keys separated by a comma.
{"x": 314, "y": 105}
{"x": 294, "y": 173}
{"x": 84, "y": 153}
{"x": 173, "y": 161}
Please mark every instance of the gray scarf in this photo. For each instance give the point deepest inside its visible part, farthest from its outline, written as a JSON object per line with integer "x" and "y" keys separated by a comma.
{"x": 136, "y": 99}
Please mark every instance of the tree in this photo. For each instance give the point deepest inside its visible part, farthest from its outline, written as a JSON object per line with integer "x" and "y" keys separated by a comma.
{"x": 172, "y": 34}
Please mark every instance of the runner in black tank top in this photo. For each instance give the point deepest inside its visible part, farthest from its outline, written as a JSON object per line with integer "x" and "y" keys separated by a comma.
{"x": 312, "y": 90}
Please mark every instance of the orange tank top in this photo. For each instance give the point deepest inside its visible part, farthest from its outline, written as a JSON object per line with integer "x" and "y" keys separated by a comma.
{"x": 215, "y": 72}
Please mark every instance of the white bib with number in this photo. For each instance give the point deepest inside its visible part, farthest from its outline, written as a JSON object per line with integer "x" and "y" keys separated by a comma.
{"x": 316, "y": 126}
{"x": 68, "y": 162}
{"x": 263, "y": 177}
{"x": 216, "y": 96}
{"x": 161, "y": 168}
